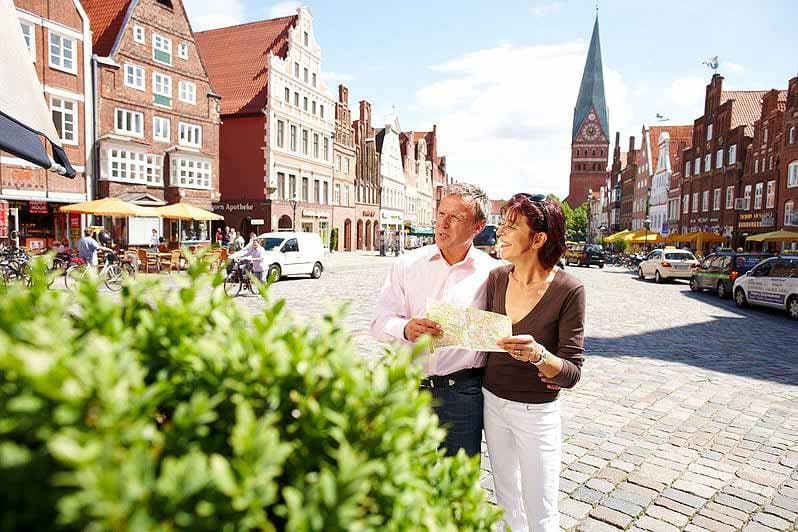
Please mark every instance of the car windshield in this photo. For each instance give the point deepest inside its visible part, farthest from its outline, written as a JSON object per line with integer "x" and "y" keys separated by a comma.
{"x": 486, "y": 237}
{"x": 593, "y": 248}
{"x": 747, "y": 262}
{"x": 272, "y": 243}
{"x": 680, "y": 256}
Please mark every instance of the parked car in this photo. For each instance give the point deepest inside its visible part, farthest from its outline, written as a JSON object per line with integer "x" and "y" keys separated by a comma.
{"x": 668, "y": 263}
{"x": 771, "y": 283}
{"x": 719, "y": 271}
{"x": 583, "y": 254}
{"x": 293, "y": 253}
{"x": 487, "y": 241}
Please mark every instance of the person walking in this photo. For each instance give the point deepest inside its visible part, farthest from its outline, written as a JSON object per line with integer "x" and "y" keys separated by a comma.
{"x": 522, "y": 415}
{"x": 88, "y": 247}
{"x": 456, "y": 272}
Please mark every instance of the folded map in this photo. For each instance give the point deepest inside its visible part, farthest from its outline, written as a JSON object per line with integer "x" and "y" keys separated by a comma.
{"x": 467, "y": 327}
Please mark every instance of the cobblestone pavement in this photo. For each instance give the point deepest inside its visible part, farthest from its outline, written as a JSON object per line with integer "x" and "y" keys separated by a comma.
{"x": 686, "y": 417}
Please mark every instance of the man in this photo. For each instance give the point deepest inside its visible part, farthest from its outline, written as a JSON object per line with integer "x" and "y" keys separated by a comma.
{"x": 454, "y": 271}
{"x": 88, "y": 247}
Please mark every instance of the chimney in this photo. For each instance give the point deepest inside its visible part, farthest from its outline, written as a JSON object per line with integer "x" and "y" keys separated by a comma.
{"x": 365, "y": 113}
{"x": 631, "y": 144}
{"x": 792, "y": 94}
{"x": 343, "y": 94}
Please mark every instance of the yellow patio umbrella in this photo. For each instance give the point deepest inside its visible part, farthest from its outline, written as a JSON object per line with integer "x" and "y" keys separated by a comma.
{"x": 774, "y": 236}
{"x": 186, "y": 211}
{"x": 650, "y": 238}
{"x": 677, "y": 237}
{"x": 615, "y": 236}
{"x": 107, "y": 207}
{"x": 704, "y": 236}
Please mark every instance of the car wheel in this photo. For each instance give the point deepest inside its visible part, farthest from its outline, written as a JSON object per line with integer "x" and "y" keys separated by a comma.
{"x": 316, "y": 273}
{"x": 792, "y": 307}
{"x": 739, "y": 298}
{"x": 657, "y": 277}
{"x": 601, "y": 266}
{"x": 640, "y": 274}
{"x": 274, "y": 273}
{"x": 723, "y": 292}
{"x": 694, "y": 284}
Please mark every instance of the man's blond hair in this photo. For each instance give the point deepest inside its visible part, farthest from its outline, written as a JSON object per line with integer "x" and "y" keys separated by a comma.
{"x": 473, "y": 195}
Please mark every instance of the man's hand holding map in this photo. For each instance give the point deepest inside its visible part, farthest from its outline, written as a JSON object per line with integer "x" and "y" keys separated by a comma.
{"x": 467, "y": 327}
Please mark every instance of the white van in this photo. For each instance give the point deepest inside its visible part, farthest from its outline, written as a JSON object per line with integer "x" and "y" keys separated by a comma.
{"x": 293, "y": 253}
{"x": 771, "y": 283}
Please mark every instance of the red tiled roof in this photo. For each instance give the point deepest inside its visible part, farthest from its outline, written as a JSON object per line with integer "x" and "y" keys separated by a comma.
{"x": 747, "y": 107}
{"x": 237, "y": 59}
{"x": 105, "y": 18}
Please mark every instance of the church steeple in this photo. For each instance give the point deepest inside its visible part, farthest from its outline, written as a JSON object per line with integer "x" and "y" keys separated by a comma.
{"x": 591, "y": 92}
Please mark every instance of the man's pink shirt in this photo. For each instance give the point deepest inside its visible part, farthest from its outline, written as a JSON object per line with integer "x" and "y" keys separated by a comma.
{"x": 424, "y": 274}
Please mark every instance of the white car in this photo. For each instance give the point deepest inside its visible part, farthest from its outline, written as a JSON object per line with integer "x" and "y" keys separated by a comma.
{"x": 292, "y": 253}
{"x": 771, "y": 283}
{"x": 668, "y": 263}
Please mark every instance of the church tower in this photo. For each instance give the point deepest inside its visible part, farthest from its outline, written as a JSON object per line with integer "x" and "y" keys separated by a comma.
{"x": 590, "y": 132}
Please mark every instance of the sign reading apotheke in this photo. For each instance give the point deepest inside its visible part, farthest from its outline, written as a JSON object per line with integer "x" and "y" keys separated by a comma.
{"x": 234, "y": 206}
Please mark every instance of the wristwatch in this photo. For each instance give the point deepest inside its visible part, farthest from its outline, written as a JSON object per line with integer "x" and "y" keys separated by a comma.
{"x": 543, "y": 355}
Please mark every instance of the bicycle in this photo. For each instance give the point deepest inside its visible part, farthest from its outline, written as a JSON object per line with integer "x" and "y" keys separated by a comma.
{"x": 112, "y": 273}
{"x": 239, "y": 276}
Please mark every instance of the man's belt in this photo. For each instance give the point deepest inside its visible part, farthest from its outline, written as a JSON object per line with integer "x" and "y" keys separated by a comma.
{"x": 443, "y": 381}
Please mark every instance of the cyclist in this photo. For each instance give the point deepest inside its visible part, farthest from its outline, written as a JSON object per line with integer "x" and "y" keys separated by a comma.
{"x": 257, "y": 255}
{"x": 88, "y": 247}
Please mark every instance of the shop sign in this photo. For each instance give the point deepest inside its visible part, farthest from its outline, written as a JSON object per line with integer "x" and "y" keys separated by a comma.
{"x": 314, "y": 214}
{"x": 37, "y": 207}
{"x": 235, "y": 206}
{"x": 369, "y": 213}
{"x": 768, "y": 220}
{"x": 74, "y": 226}
{"x": 3, "y": 219}
{"x": 257, "y": 221}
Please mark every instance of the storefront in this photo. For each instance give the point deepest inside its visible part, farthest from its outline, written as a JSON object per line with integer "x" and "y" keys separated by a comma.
{"x": 39, "y": 224}
{"x": 392, "y": 229}
{"x": 243, "y": 216}
{"x": 754, "y": 223}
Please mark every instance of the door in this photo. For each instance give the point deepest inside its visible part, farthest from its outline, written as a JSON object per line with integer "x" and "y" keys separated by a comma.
{"x": 704, "y": 275}
{"x": 758, "y": 284}
{"x": 650, "y": 264}
{"x": 291, "y": 257}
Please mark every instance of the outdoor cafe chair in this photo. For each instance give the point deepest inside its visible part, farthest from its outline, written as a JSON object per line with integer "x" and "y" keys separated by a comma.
{"x": 147, "y": 260}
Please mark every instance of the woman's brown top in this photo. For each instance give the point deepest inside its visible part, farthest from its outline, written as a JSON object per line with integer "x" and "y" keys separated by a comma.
{"x": 556, "y": 322}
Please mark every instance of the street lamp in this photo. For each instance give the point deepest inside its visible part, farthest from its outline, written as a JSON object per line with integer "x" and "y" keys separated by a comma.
{"x": 293, "y": 202}
{"x": 647, "y": 225}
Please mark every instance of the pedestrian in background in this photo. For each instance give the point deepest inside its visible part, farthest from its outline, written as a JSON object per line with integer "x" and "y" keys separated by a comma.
{"x": 523, "y": 427}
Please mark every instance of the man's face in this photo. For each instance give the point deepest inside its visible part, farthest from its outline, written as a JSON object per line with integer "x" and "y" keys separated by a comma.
{"x": 455, "y": 223}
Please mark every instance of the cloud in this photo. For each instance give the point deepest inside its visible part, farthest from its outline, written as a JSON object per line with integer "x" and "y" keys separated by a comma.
{"x": 545, "y": 9}
{"x": 504, "y": 115}
{"x": 337, "y": 76}
{"x": 283, "y": 9}
{"x": 209, "y": 14}
{"x": 734, "y": 68}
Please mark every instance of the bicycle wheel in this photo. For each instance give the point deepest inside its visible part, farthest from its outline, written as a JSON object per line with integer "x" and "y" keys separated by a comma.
{"x": 233, "y": 283}
{"x": 57, "y": 268}
{"x": 128, "y": 270}
{"x": 114, "y": 277}
{"x": 74, "y": 275}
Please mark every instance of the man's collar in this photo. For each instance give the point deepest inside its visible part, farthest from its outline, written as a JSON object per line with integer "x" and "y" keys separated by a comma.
{"x": 437, "y": 254}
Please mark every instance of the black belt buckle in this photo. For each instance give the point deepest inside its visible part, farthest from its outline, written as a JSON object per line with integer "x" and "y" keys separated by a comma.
{"x": 443, "y": 381}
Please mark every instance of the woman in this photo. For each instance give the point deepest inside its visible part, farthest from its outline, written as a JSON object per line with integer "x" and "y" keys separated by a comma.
{"x": 547, "y": 308}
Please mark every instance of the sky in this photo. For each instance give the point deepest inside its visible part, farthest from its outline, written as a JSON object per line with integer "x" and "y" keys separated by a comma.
{"x": 500, "y": 78}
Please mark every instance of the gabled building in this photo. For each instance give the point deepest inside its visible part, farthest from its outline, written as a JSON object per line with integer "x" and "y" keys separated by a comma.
{"x": 590, "y": 130}
{"x": 787, "y": 215}
{"x": 278, "y": 125}
{"x": 628, "y": 176}
{"x": 367, "y": 180}
{"x": 392, "y": 185}
{"x": 344, "y": 212}
{"x": 615, "y": 189}
{"x": 408, "y": 153}
{"x": 157, "y": 116}
{"x": 658, "y": 147}
{"x": 58, "y": 35}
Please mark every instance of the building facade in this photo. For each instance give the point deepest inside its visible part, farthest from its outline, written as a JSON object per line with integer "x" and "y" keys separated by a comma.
{"x": 761, "y": 176}
{"x": 658, "y": 150}
{"x": 628, "y": 177}
{"x": 157, "y": 126}
{"x": 590, "y": 129}
{"x": 58, "y": 35}
{"x": 614, "y": 205}
{"x": 787, "y": 214}
{"x": 367, "y": 181}
{"x": 278, "y": 125}
{"x": 409, "y": 169}
{"x": 393, "y": 192}
{"x": 344, "y": 211}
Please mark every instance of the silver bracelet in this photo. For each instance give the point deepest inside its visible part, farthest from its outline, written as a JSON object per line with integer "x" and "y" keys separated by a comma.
{"x": 542, "y": 360}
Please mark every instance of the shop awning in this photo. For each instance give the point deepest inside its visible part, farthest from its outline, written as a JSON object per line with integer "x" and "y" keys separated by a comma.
{"x": 416, "y": 230}
{"x": 24, "y": 114}
{"x": 703, "y": 236}
{"x": 616, "y": 236}
{"x": 650, "y": 238}
{"x": 774, "y": 236}
{"x": 108, "y": 207}
{"x": 186, "y": 211}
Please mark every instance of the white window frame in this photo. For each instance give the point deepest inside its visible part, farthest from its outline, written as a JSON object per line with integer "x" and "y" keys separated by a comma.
{"x": 189, "y": 135}
{"x": 733, "y": 154}
{"x": 139, "y": 35}
{"x": 138, "y": 75}
{"x": 161, "y": 44}
{"x": 130, "y": 118}
{"x": 791, "y": 135}
{"x": 161, "y": 123}
{"x": 747, "y": 197}
{"x": 687, "y": 169}
{"x": 191, "y": 172}
{"x": 789, "y": 213}
{"x": 719, "y": 159}
{"x": 756, "y": 166}
{"x": 705, "y": 201}
{"x": 184, "y": 94}
{"x": 695, "y": 201}
{"x": 686, "y": 203}
{"x": 30, "y": 37}
{"x": 697, "y": 169}
{"x": 730, "y": 197}
{"x": 182, "y": 51}
{"x": 280, "y": 133}
{"x": 321, "y": 111}
{"x": 707, "y": 162}
{"x": 709, "y": 132}
{"x": 716, "y": 199}
{"x": 60, "y": 58}
{"x": 792, "y": 174}
{"x": 60, "y": 105}
{"x": 162, "y": 88}
{"x": 132, "y": 166}
{"x": 770, "y": 195}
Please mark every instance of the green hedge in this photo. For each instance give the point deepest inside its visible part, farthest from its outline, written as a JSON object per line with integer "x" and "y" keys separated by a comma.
{"x": 174, "y": 410}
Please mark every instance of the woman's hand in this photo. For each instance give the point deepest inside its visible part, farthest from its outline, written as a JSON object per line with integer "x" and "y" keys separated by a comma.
{"x": 522, "y": 347}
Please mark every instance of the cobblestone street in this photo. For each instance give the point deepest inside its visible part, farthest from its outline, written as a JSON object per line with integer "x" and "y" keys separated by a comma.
{"x": 685, "y": 417}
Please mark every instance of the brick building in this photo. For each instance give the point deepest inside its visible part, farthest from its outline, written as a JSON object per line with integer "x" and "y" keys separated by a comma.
{"x": 367, "y": 180}
{"x": 628, "y": 177}
{"x": 590, "y": 130}
{"x": 713, "y": 165}
{"x": 616, "y": 187}
{"x": 344, "y": 211}
{"x": 58, "y": 36}
{"x": 407, "y": 150}
{"x": 761, "y": 171}
{"x": 787, "y": 214}
{"x": 278, "y": 125}
{"x": 658, "y": 148}
{"x": 157, "y": 130}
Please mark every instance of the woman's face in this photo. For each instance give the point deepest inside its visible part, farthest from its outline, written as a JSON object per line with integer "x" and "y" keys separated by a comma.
{"x": 516, "y": 238}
